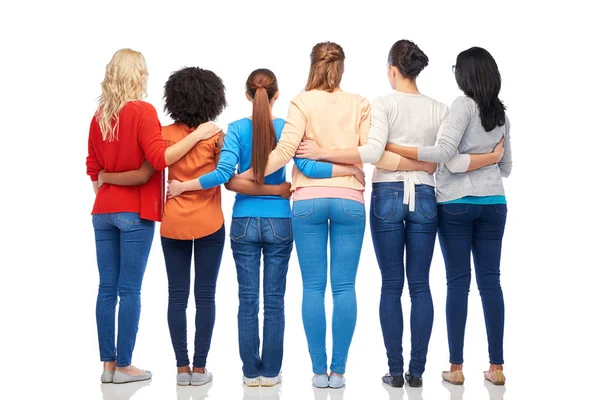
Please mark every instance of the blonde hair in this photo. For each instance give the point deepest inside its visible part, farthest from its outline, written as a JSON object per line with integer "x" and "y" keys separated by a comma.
{"x": 125, "y": 80}
{"x": 326, "y": 67}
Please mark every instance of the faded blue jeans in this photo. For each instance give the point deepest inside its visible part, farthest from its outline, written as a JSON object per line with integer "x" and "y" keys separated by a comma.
{"x": 315, "y": 222}
{"x": 396, "y": 231}
{"x": 123, "y": 242}
{"x": 272, "y": 237}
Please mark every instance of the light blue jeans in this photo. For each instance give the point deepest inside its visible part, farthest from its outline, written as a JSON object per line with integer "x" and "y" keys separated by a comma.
{"x": 314, "y": 222}
{"x": 123, "y": 242}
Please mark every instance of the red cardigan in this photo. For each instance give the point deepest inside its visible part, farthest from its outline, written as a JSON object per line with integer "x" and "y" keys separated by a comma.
{"x": 139, "y": 138}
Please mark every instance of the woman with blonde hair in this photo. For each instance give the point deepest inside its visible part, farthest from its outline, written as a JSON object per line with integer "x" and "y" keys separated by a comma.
{"x": 124, "y": 132}
{"x": 326, "y": 209}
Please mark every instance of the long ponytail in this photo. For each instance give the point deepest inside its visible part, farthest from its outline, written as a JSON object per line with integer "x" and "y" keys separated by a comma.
{"x": 261, "y": 87}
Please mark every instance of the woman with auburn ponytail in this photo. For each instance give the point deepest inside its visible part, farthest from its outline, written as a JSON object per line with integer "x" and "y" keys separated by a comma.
{"x": 330, "y": 209}
{"x": 261, "y": 223}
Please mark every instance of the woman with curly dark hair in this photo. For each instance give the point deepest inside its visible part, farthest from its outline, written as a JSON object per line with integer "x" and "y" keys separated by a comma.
{"x": 192, "y": 223}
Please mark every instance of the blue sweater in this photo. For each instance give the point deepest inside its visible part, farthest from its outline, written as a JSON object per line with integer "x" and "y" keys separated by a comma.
{"x": 237, "y": 152}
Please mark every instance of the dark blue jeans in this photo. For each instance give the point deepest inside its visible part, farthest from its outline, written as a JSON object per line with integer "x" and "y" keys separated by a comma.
{"x": 393, "y": 229}
{"x": 272, "y": 237}
{"x": 207, "y": 260}
{"x": 123, "y": 242}
{"x": 476, "y": 229}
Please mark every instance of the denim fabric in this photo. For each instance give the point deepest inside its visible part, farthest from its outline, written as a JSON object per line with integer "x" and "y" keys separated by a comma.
{"x": 467, "y": 229}
{"x": 207, "y": 260}
{"x": 272, "y": 237}
{"x": 394, "y": 230}
{"x": 123, "y": 242}
{"x": 315, "y": 222}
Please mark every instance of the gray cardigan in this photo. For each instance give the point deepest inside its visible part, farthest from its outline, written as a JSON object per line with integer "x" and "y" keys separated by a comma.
{"x": 462, "y": 132}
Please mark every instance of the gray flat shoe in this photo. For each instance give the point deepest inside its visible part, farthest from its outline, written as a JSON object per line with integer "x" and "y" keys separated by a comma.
{"x": 184, "y": 379}
{"x": 199, "y": 379}
{"x": 122, "y": 377}
{"x": 107, "y": 376}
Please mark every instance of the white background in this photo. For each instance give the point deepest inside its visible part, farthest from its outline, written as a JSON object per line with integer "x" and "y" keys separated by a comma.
{"x": 53, "y": 59}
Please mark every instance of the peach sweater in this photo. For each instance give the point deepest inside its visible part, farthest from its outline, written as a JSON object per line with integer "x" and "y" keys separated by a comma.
{"x": 337, "y": 120}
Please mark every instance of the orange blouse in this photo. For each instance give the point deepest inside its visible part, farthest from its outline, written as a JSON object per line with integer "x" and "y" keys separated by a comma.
{"x": 197, "y": 214}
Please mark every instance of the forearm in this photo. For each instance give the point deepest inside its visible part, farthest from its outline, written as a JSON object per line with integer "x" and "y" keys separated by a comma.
{"x": 342, "y": 170}
{"x": 191, "y": 185}
{"x": 251, "y": 188}
{"x": 404, "y": 151}
{"x": 481, "y": 160}
{"x": 342, "y": 156}
{"x": 128, "y": 178}
{"x": 394, "y": 162}
{"x": 175, "y": 152}
{"x": 314, "y": 169}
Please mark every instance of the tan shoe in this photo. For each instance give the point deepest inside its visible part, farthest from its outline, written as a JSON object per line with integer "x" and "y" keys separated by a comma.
{"x": 496, "y": 377}
{"x": 455, "y": 378}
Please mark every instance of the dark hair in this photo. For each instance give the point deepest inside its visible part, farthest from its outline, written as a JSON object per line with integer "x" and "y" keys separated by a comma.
{"x": 478, "y": 77}
{"x": 194, "y": 96}
{"x": 261, "y": 86}
{"x": 326, "y": 67}
{"x": 408, "y": 58}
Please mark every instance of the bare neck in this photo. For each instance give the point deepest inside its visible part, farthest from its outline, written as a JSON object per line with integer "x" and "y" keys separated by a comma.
{"x": 406, "y": 85}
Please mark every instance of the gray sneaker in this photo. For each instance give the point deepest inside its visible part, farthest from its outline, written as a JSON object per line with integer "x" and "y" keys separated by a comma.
{"x": 320, "y": 381}
{"x": 122, "y": 377}
{"x": 184, "y": 379}
{"x": 199, "y": 379}
{"x": 336, "y": 382}
{"x": 107, "y": 376}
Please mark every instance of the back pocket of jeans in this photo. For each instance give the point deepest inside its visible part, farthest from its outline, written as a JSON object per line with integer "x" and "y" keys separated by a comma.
{"x": 427, "y": 205}
{"x": 384, "y": 205}
{"x": 303, "y": 208}
{"x": 456, "y": 209}
{"x": 353, "y": 209}
{"x": 129, "y": 218}
{"x": 239, "y": 227}
{"x": 282, "y": 228}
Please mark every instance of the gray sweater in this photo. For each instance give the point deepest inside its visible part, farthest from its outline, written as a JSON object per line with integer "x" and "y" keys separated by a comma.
{"x": 462, "y": 132}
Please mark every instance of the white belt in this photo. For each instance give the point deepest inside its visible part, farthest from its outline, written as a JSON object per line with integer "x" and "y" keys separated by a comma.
{"x": 410, "y": 180}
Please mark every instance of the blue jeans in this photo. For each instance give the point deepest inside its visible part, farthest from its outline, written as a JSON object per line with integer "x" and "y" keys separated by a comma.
{"x": 314, "y": 222}
{"x": 393, "y": 228}
{"x": 476, "y": 229}
{"x": 272, "y": 236}
{"x": 207, "y": 260}
{"x": 123, "y": 242}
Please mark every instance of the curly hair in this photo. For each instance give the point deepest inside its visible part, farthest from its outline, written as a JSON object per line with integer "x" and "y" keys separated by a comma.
{"x": 194, "y": 96}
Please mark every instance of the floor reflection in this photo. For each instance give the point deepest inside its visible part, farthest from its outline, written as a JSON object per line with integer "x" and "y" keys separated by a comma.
{"x": 332, "y": 394}
{"x": 193, "y": 392}
{"x": 123, "y": 391}
{"x": 495, "y": 392}
{"x": 394, "y": 393}
{"x": 265, "y": 393}
{"x": 456, "y": 391}
{"x": 414, "y": 393}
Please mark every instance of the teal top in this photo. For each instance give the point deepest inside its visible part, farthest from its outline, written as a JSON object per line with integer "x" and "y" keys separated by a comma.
{"x": 481, "y": 200}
